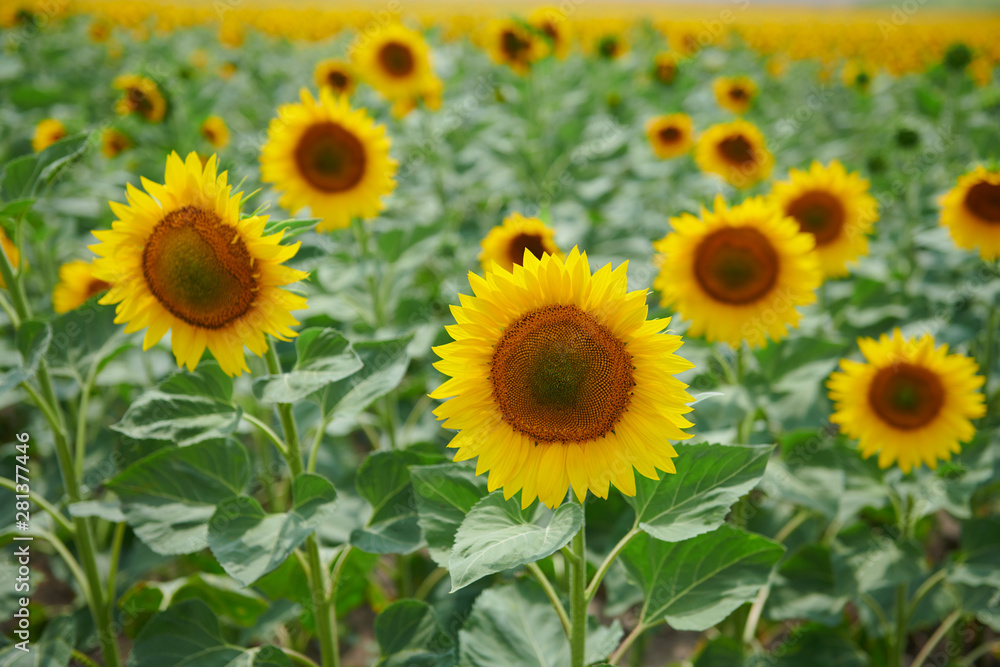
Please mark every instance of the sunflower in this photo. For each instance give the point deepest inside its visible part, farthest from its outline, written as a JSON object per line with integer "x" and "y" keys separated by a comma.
{"x": 736, "y": 151}
{"x": 215, "y": 130}
{"x": 13, "y": 256}
{"x": 227, "y": 70}
{"x": 971, "y": 211}
{"x": 665, "y": 67}
{"x": 47, "y": 132}
{"x": 734, "y": 93}
{"x": 337, "y": 75}
{"x": 555, "y": 25}
{"x": 738, "y": 273}
{"x": 670, "y": 136}
{"x": 141, "y": 96}
{"x": 114, "y": 142}
{"x": 610, "y": 45}
{"x": 510, "y": 43}
{"x": 181, "y": 259}
{"x": 99, "y": 31}
{"x": 506, "y": 244}
{"x": 76, "y": 284}
{"x": 558, "y": 381}
{"x": 856, "y": 74}
{"x": 911, "y": 401}
{"x": 832, "y": 205}
{"x": 324, "y": 155}
{"x": 396, "y": 62}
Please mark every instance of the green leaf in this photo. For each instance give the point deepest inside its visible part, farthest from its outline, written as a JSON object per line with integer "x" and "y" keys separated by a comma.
{"x": 186, "y": 408}
{"x": 444, "y": 493}
{"x": 721, "y": 652}
{"x": 384, "y": 481}
{"x": 696, "y": 500}
{"x": 980, "y": 559}
{"x": 53, "y": 649}
{"x": 249, "y": 543}
{"x": 33, "y": 339}
{"x": 241, "y": 605}
{"x": 188, "y": 635}
{"x": 324, "y": 357}
{"x": 877, "y": 561}
{"x": 291, "y": 227}
{"x": 817, "y": 487}
{"x": 516, "y": 625}
{"x": 57, "y": 158}
{"x": 498, "y": 535}
{"x": 169, "y": 497}
{"x": 385, "y": 364}
{"x": 409, "y": 635}
{"x": 13, "y": 210}
{"x": 806, "y": 643}
{"x": 807, "y": 585}
{"x": 17, "y": 177}
{"x": 109, "y": 510}
{"x": 697, "y": 583}
{"x": 85, "y": 335}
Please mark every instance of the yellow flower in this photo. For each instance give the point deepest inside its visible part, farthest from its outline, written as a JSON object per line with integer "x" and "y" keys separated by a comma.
{"x": 736, "y": 151}
{"x": 856, "y": 74}
{"x": 737, "y": 273}
{"x": 215, "y": 130}
{"x": 665, "y": 67}
{"x": 227, "y": 70}
{"x": 336, "y": 75}
{"x": 670, "y": 136}
{"x": 610, "y": 45}
{"x": 99, "y": 31}
{"x": 76, "y": 284}
{"x": 232, "y": 32}
{"x": 141, "y": 96}
{"x": 506, "y": 244}
{"x": 734, "y": 93}
{"x": 324, "y": 155}
{"x": 971, "y": 212}
{"x": 911, "y": 402}
{"x": 396, "y": 62}
{"x": 556, "y": 26}
{"x": 114, "y": 142}
{"x": 181, "y": 259}
{"x": 511, "y": 43}
{"x": 47, "y": 132}
{"x": 834, "y": 207}
{"x": 558, "y": 381}
{"x": 13, "y": 256}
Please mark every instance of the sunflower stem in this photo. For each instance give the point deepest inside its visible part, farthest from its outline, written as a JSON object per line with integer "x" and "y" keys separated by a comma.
{"x": 326, "y": 621}
{"x": 101, "y": 609}
{"x": 992, "y": 323}
{"x": 578, "y": 597}
{"x": 550, "y": 592}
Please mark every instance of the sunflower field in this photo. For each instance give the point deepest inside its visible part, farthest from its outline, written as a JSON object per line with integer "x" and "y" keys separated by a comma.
{"x": 464, "y": 335}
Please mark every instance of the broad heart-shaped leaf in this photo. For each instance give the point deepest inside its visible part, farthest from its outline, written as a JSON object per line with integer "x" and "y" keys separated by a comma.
{"x": 445, "y": 493}
{"x": 53, "y": 649}
{"x": 249, "y": 543}
{"x": 85, "y": 335}
{"x": 497, "y": 535}
{"x": 324, "y": 356}
{"x": 409, "y": 635}
{"x": 33, "y": 339}
{"x": 516, "y": 625}
{"x": 980, "y": 562}
{"x": 697, "y": 583}
{"x": 385, "y": 363}
{"x": 188, "y": 635}
{"x": 169, "y": 496}
{"x": 186, "y": 408}
{"x": 810, "y": 645}
{"x": 384, "y": 481}
{"x": 721, "y": 652}
{"x": 807, "y": 585}
{"x": 696, "y": 500}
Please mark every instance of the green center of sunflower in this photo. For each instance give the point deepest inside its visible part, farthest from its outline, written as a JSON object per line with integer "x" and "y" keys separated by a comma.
{"x": 983, "y": 201}
{"x": 608, "y": 46}
{"x": 199, "y": 269}
{"x": 906, "y": 396}
{"x": 558, "y": 375}
{"x": 670, "y": 134}
{"x": 513, "y": 45}
{"x": 736, "y": 150}
{"x": 819, "y": 213}
{"x": 861, "y": 79}
{"x": 397, "y": 59}
{"x": 330, "y": 157}
{"x": 531, "y": 242}
{"x": 736, "y": 265}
